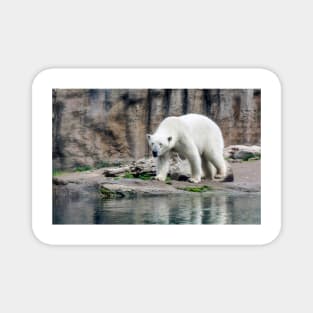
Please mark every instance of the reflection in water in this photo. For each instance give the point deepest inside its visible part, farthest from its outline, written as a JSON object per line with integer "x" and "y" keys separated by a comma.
{"x": 172, "y": 209}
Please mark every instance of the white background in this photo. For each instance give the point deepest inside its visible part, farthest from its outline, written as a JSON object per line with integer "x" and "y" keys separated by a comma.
{"x": 39, "y": 278}
{"x": 46, "y": 80}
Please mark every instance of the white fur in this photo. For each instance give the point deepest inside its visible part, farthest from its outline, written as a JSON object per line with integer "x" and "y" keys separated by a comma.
{"x": 194, "y": 137}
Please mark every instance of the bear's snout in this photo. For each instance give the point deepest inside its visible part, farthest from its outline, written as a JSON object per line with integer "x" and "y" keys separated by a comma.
{"x": 155, "y": 153}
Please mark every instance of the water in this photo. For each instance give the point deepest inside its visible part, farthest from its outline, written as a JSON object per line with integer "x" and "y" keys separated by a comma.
{"x": 241, "y": 208}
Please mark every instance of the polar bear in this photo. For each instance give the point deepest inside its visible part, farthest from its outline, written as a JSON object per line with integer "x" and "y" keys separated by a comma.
{"x": 194, "y": 137}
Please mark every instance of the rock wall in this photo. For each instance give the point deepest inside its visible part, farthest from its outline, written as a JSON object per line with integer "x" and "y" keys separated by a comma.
{"x": 93, "y": 125}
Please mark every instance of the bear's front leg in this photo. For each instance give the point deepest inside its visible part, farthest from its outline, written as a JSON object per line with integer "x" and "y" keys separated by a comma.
{"x": 195, "y": 164}
{"x": 162, "y": 167}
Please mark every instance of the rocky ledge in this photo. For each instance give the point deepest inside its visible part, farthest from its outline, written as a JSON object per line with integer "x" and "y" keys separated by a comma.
{"x": 136, "y": 178}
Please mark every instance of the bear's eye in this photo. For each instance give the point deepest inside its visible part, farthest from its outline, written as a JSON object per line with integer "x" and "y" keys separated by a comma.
{"x": 160, "y": 144}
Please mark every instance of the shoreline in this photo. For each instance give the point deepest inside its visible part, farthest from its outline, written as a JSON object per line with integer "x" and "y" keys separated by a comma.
{"x": 247, "y": 179}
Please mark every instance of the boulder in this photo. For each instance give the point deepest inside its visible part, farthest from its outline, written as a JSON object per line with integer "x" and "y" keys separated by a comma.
{"x": 241, "y": 152}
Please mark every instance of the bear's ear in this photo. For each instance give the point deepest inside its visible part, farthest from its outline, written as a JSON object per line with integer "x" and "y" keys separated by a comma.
{"x": 169, "y": 139}
{"x": 148, "y": 137}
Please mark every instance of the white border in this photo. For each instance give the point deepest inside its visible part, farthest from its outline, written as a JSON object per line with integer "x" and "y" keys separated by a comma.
{"x": 48, "y": 233}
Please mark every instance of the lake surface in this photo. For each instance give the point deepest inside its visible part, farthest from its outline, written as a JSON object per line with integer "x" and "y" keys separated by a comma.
{"x": 206, "y": 208}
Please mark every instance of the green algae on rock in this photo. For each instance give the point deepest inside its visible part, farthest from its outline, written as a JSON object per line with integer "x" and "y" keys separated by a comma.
{"x": 197, "y": 189}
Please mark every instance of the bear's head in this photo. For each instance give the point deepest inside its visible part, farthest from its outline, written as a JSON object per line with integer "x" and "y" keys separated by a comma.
{"x": 159, "y": 145}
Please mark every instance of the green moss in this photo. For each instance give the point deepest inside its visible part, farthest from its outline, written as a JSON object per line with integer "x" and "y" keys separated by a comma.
{"x": 108, "y": 164}
{"x": 253, "y": 159}
{"x": 128, "y": 175}
{"x": 57, "y": 173}
{"x": 248, "y": 156}
{"x": 145, "y": 176}
{"x": 82, "y": 168}
{"x": 196, "y": 188}
{"x": 256, "y": 156}
{"x": 168, "y": 181}
{"x": 110, "y": 194}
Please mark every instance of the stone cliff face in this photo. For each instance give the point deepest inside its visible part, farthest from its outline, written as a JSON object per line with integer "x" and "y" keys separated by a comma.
{"x": 93, "y": 125}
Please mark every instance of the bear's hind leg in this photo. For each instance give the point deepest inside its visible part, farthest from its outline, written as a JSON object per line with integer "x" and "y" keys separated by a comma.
{"x": 220, "y": 164}
{"x": 208, "y": 168}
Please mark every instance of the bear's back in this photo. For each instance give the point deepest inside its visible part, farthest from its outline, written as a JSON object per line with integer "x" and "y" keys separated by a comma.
{"x": 202, "y": 130}
{"x": 196, "y": 121}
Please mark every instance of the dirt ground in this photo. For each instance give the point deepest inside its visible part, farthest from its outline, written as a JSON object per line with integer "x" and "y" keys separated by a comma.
{"x": 247, "y": 175}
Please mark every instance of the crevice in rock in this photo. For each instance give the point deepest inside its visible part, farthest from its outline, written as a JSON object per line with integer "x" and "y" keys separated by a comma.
{"x": 185, "y": 101}
{"x": 149, "y": 108}
{"x": 207, "y": 101}
{"x": 166, "y": 102}
{"x": 58, "y": 143}
{"x": 107, "y": 99}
